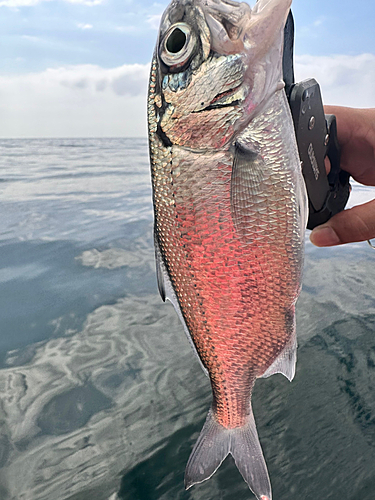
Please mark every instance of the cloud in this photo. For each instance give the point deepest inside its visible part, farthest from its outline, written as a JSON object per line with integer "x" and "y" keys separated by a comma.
{"x": 130, "y": 79}
{"x": 83, "y": 26}
{"x": 127, "y": 29}
{"x": 311, "y": 30}
{"x": 344, "y": 79}
{"x": 75, "y": 101}
{"x": 31, "y": 38}
{"x": 89, "y": 3}
{"x": 30, "y": 3}
{"x": 91, "y": 101}
{"x": 18, "y": 3}
{"x": 154, "y": 21}
{"x": 319, "y": 21}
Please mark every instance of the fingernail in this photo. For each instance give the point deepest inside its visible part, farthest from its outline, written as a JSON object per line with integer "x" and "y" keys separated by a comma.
{"x": 324, "y": 236}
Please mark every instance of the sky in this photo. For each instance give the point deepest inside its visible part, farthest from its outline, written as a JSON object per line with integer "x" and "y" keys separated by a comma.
{"x": 79, "y": 68}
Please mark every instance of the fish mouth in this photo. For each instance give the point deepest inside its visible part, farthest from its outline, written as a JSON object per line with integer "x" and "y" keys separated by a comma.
{"x": 222, "y": 100}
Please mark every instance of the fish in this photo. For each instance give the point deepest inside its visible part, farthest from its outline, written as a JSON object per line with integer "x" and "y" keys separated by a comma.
{"x": 230, "y": 211}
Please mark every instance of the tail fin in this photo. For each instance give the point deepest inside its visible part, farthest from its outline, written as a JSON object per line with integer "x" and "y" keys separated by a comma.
{"x": 216, "y": 442}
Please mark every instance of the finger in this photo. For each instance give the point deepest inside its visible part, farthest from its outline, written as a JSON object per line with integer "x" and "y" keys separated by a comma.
{"x": 347, "y": 122}
{"x": 356, "y": 136}
{"x": 355, "y": 224}
{"x": 327, "y": 164}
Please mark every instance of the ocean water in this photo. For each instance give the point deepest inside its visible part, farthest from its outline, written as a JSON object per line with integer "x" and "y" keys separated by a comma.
{"x": 101, "y": 395}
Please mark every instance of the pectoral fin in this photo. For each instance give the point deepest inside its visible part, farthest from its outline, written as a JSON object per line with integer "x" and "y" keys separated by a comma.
{"x": 248, "y": 197}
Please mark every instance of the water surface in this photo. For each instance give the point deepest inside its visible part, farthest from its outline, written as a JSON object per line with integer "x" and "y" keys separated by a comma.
{"x": 101, "y": 395}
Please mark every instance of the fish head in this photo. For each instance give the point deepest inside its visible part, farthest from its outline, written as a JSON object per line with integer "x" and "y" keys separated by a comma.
{"x": 215, "y": 64}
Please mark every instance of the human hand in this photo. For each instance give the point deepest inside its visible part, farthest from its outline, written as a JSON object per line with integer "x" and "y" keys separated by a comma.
{"x": 356, "y": 136}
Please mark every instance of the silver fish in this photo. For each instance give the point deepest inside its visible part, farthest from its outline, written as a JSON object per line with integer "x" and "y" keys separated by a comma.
{"x": 230, "y": 210}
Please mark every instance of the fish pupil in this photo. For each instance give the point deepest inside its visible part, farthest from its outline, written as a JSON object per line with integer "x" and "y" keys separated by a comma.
{"x": 176, "y": 41}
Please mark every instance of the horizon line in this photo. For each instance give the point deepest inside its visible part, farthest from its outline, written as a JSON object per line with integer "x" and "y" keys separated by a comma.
{"x": 72, "y": 137}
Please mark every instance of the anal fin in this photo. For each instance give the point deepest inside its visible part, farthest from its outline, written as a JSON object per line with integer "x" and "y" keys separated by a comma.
{"x": 159, "y": 271}
{"x": 285, "y": 363}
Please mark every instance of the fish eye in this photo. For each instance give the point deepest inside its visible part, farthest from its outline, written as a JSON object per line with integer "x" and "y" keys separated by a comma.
{"x": 176, "y": 41}
{"x": 177, "y": 46}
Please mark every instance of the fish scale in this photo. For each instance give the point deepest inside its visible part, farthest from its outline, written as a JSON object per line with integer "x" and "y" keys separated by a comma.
{"x": 230, "y": 212}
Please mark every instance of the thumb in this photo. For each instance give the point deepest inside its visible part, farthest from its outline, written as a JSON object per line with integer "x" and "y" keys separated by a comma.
{"x": 355, "y": 224}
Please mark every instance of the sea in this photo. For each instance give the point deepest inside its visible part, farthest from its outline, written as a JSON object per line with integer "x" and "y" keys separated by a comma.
{"x": 101, "y": 396}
